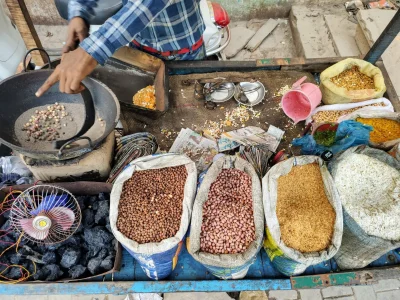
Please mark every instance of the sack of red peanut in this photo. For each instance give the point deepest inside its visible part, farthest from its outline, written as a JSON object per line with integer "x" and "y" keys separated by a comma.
{"x": 150, "y": 210}
{"x": 227, "y": 226}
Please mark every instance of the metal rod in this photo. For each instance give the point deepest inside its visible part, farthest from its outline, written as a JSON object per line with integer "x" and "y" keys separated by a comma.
{"x": 384, "y": 40}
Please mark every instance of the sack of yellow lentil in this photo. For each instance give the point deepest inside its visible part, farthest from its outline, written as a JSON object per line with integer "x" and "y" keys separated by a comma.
{"x": 386, "y": 127}
{"x": 351, "y": 80}
{"x": 303, "y": 213}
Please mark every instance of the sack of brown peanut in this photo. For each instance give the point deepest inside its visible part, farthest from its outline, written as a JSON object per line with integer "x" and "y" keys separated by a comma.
{"x": 227, "y": 222}
{"x": 150, "y": 210}
{"x": 351, "y": 80}
{"x": 368, "y": 181}
{"x": 303, "y": 214}
{"x": 386, "y": 127}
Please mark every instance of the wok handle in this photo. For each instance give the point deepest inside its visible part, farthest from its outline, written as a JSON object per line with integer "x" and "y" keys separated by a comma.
{"x": 74, "y": 140}
{"x": 34, "y": 49}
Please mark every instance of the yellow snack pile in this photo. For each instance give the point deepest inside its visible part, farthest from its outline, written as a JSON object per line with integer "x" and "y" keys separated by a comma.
{"x": 146, "y": 97}
{"x": 384, "y": 129}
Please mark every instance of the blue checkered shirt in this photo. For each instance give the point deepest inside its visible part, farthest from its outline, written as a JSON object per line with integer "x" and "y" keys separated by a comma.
{"x": 164, "y": 25}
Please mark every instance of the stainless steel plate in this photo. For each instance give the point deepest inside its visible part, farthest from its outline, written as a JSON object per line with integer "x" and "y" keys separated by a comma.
{"x": 220, "y": 93}
{"x": 249, "y": 93}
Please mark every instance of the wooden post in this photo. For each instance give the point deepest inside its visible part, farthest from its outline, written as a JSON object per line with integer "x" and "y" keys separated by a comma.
{"x": 25, "y": 26}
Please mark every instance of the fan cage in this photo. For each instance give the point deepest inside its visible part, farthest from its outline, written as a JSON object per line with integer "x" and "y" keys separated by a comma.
{"x": 30, "y": 200}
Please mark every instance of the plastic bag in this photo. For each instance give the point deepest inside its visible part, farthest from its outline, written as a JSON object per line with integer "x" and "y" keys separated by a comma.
{"x": 227, "y": 266}
{"x": 13, "y": 164}
{"x": 14, "y": 171}
{"x": 387, "y": 106}
{"x": 332, "y": 94}
{"x": 157, "y": 260}
{"x": 358, "y": 248}
{"x": 380, "y": 115}
{"x": 348, "y": 134}
{"x": 287, "y": 260}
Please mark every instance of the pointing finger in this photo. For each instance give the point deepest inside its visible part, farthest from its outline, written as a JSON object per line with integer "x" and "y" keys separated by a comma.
{"x": 53, "y": 78}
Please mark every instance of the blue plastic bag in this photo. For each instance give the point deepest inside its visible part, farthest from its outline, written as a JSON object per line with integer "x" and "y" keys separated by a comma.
{"x": 349, "y": 134}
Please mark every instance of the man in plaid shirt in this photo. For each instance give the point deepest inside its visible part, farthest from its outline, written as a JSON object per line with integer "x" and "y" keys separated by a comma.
{"x": 168, "y": 29}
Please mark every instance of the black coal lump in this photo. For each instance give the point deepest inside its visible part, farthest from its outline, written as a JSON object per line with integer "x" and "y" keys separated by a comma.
{"x": 85, "y": 258}
{"x": 103, "y": 253}
{"x": 77, "y": 271}
{"x": 14, "y": 273}
{"x": 39, "y": 275}
{"x": 52, "y": 272}
{"x": 70, "y": 257}
{"x": 73, "y": 241}
{"x": 53, "y": 247}
{"x": 61, "y": 250}
{"x": 90, "y": 200}
{"x": 29, "y": 266}
{"x": 97, "y": 238}
{"x": 6, "y": 214}
{"x": 94, "y": 265}
{"x": 80, "y": 229}
{"x": 88, "y": 218}
{"x": 107, "y": 263}
{"x": 81, "y": 202}
{"x": 15, "y": 258}
{"x": 50, "y": 258}
{"x": 108, "y": 226}
{"x": 6, "y": 242}
{"x": 104, "y": 196}
{"x": 6, "y": 226}
{"x": 102, "y": 211}
{"x": 3, "y": 263}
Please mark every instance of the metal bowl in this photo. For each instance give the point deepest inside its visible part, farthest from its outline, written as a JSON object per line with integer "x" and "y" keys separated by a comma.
{"x": 221, "y": 93}
{"x": 249, "y": 93}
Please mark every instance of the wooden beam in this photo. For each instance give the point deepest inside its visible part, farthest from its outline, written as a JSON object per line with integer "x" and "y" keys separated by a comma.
{"x": 22, "y": 19}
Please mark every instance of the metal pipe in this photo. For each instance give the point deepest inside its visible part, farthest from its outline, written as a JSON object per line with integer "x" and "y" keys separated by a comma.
{"x": 384, "y": 40}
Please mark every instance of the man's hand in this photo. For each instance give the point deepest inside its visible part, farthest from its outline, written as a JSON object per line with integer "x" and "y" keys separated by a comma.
{"x": 74, "y": 67}
{"x": 77, "y": 32}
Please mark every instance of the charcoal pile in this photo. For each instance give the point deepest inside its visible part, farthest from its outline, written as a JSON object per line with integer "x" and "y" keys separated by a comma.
{"x": 90, "y": 251}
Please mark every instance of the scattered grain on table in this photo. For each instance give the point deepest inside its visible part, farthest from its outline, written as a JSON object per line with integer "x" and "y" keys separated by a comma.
{"x": 233, "y": 119}
{"x": 305, "y": 215}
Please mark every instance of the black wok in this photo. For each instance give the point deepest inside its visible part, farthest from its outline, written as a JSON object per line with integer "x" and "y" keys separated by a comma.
{"x": 17, "y": 95}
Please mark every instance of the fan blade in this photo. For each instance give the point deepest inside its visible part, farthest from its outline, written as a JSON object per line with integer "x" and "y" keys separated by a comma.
{"x": 50, "y": 202}
{"x": 27, "y": 226}
{"x": 62, "y": 216}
